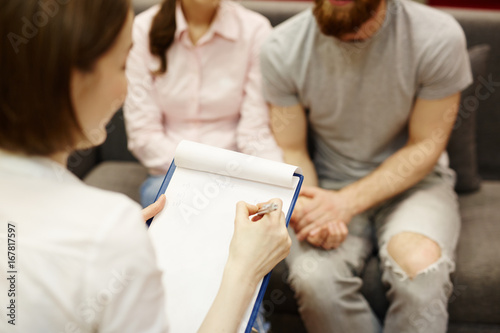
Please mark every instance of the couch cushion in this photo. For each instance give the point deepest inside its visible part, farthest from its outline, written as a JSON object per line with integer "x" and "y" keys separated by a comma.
{"x": 462, "y": 145}
{"x": 476, "y": 296}
{"x": 122, "y": 177}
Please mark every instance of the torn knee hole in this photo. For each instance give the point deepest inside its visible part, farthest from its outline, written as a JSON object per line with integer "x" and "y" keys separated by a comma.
{"x": 414, "y": 253}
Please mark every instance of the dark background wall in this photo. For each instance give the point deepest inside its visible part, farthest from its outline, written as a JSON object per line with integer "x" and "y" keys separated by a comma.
{"x": 484, "y": 4}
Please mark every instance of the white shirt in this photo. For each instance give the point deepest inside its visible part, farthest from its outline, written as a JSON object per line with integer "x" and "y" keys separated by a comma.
{"x": 83, "y": 259}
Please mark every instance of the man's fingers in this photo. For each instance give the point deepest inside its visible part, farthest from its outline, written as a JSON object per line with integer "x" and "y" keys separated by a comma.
{"x": 337, "y": 234}
{"x": 317, "y": 236}
{"x": 304, "y": 232}
{"x": 293, "y": 221}
{"x": 310, "y": 205}
{"x": 312, "y": 216}
{"x": 322, "y": 218}
{"x": 153, "y": 209}
{"x": 298, "y": 212}
{"x": 331, "y": 240}
{"x": 330, "y": 246}
{"x": 344, "y": 231}
{"x": 309, "y": 191}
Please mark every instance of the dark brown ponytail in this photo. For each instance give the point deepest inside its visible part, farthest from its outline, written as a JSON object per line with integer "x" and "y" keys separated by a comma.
{"x": 162, "y": 33}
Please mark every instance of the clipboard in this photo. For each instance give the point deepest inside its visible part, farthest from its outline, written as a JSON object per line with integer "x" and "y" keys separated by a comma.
{"x": 191, "y": 235}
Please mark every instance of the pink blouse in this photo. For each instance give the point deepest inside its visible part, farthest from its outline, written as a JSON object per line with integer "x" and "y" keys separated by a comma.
{"x": 211, "y": 92}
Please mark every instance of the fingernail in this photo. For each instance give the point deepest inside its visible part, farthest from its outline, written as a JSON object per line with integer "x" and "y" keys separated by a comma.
{"x": 314, "y": 232}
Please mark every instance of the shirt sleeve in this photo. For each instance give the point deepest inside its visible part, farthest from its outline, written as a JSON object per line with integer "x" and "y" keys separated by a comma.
{"x": 445, "y": 67}
{"x": 144, "y": 118}
{"x": 125, "y": 291}
{"x": 254, "y": 133}
{"x": 278, "y": 86}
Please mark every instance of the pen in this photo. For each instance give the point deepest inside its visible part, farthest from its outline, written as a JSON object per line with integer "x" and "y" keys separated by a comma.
{"x": 267, "y": 208}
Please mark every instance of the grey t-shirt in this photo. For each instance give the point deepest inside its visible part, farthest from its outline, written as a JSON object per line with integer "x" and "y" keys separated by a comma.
{"x": 360, "y": 94}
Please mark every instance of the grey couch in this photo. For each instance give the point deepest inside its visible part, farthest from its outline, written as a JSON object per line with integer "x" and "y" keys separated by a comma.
{"x": 474, "y": 151}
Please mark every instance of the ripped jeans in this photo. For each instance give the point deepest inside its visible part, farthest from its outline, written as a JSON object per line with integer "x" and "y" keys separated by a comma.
{"x": 327, "y": 283}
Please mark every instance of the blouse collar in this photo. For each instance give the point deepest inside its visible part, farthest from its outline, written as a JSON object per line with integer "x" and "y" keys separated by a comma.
{"x": 225, "y": 23}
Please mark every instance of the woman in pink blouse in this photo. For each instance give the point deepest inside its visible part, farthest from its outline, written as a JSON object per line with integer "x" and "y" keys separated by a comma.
{"x": 194, "y": 74}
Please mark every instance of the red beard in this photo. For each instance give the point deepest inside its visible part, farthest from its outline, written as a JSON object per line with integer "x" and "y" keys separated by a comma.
{"x": 339, "y": 21}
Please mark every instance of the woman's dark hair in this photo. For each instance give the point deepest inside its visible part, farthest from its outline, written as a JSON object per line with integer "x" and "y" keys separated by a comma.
{"x": 42, "y": 42}
{"x": 162, "y": 33}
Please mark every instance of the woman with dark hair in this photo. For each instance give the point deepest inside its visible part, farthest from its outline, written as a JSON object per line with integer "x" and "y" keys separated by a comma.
{"x": 194, "y": 74}
{"x": 78, "y": 258}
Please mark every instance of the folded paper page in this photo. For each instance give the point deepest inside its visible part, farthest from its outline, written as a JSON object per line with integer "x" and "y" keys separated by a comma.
{"x": 200, "y": 157}
{"x": 192, "y": 234}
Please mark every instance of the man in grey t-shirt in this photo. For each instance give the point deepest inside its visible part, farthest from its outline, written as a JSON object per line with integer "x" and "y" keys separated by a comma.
{"x": 381, "y": 80}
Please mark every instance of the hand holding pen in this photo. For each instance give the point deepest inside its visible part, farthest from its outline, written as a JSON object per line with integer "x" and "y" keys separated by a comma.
{"x": 265, "y": 209}
{"x": 260, "y": 238}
